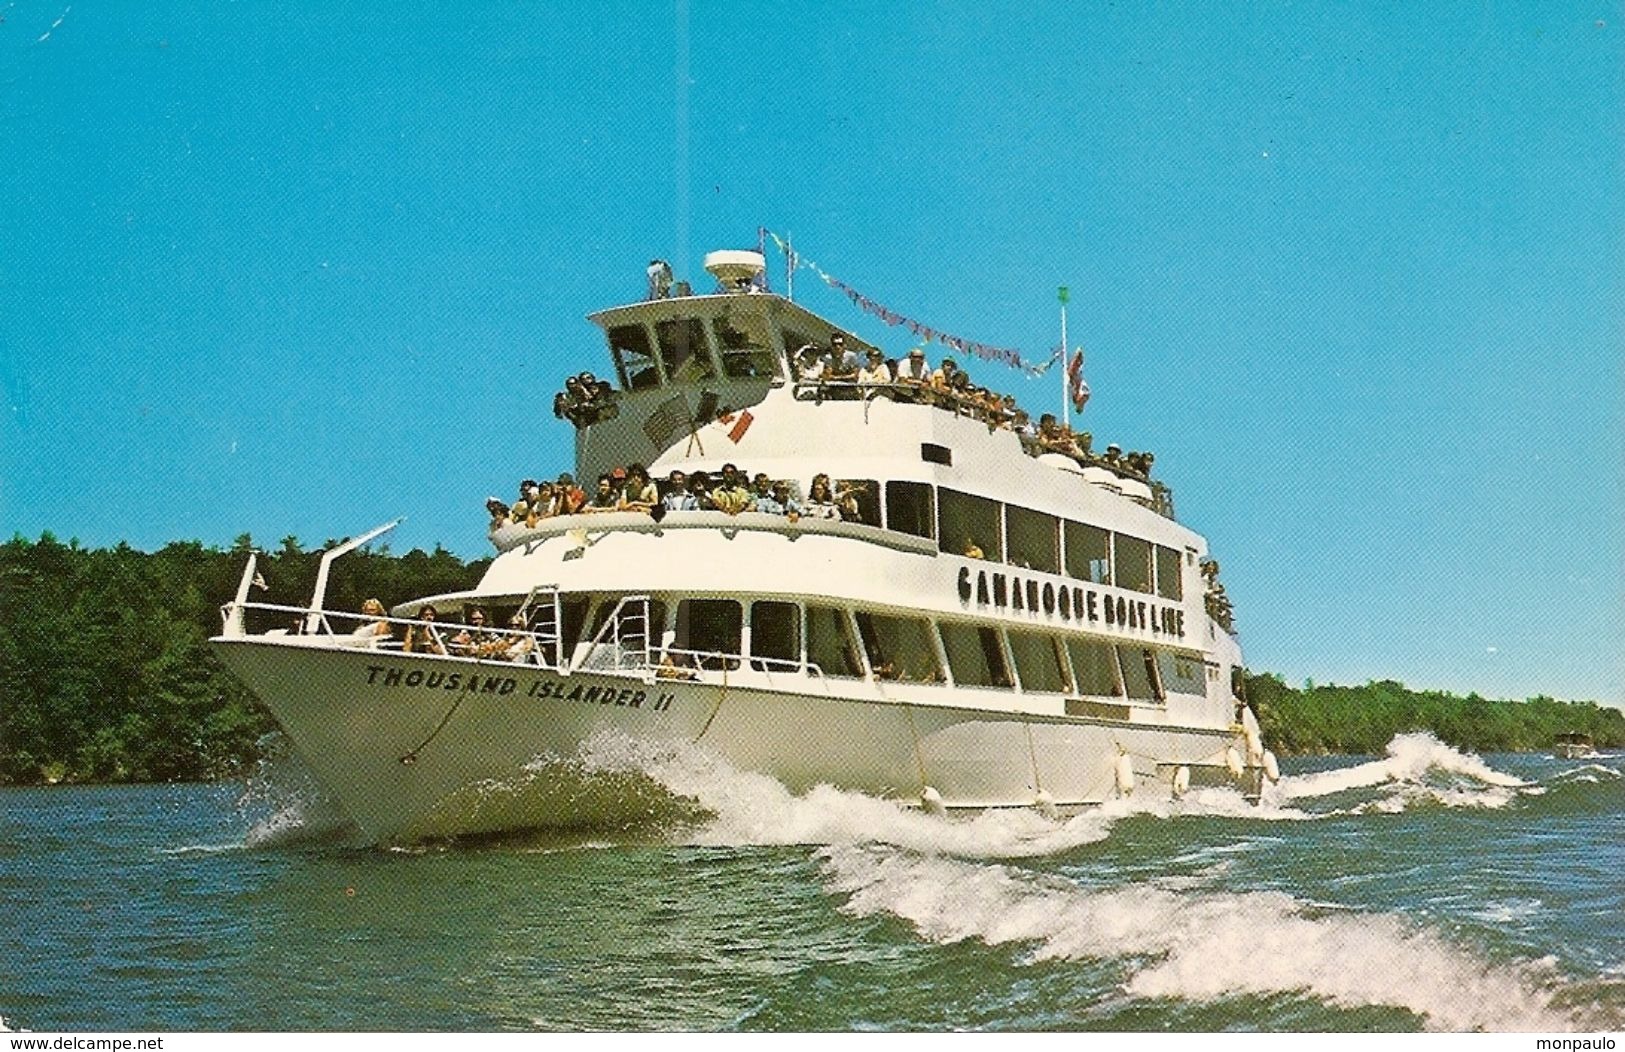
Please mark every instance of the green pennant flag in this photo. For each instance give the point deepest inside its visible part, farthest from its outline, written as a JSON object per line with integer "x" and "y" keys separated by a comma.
{"x": 1066, "y": 294}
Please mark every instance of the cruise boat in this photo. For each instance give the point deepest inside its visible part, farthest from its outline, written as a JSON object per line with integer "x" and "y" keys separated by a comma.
{"x": 986, "y": 625}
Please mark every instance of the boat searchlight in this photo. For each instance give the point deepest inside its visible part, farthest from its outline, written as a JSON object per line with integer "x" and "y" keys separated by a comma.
{"x": 735, "y": 270}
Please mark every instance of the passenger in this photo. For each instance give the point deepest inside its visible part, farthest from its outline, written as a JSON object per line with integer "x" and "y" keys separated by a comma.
{"x": 699, "y": 487}
{"x": 677, "y": 497}
{"x": 810, "y": 365}
{"x": 761, "y": 486}
{"x": 913, "y": 370}
{"x": 843, "y": 362}
{"x": 567, "y": 496}
{"x": 820, "y": 500}
{"x": 846, "y": 500}
{"x": 544, "y": 505}
{"x": 638, "y": 493}
{"x": 777, "y": 501}
{"x": 498, "y": 512}
{"x": 563, "y": 408}
{"x": 424, "y": 638}
{"x": 675, "y": 665}
{"x": 517, "y": 648}
{"x": 607, "y": 497}
{"x": 473, "y": 640}
{"x": 876, "y": 372}
{"x": 731, "y": 495}
{"x": 1113, "y": 458}
{"x": 972, "y": 550}
{"x": 377, "y": 628}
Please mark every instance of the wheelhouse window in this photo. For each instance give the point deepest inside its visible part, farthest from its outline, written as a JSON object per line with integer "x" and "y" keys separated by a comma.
{"x": 1039, "y": 662}
{"x": 1132, "y": 566}
{"x": 829, "y": 642}
{"x": 634, "y": 357}
{"x": 1096, "y": 667}
{"x": 1169, "y": 584}
{"x": 775, "y": 635}
{"x": 1181, "y": 674}
{"x": 899, "y": 648}
{"x": 709, "y": 630}
{"x": 975, "y": 655}
{"x": 911, "y": 508}
{"x": 1088, "y": 553}
{"x": 859, "y": 500}
{"x": 1140, "y": 673}
{"x": 1033, "y": 539}
{"x": 683, "y": 350}
{"x": 746, "y": 347}
{"x": 967, "y": 524}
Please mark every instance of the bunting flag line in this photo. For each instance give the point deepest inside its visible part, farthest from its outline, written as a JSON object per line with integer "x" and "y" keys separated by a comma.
{"x": 1002, "y": 355}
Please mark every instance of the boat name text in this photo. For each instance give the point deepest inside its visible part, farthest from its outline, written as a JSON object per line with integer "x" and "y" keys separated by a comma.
{"x": 1072, "y": 603}
{"x": 475, "y": 683}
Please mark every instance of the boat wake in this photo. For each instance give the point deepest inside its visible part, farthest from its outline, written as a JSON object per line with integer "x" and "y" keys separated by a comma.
{"x": 1418, "y": 771}
{"x": 283, "y": 805}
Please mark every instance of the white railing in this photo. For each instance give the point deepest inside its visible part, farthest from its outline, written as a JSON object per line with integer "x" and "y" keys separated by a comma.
{"x": 539, "y": 646}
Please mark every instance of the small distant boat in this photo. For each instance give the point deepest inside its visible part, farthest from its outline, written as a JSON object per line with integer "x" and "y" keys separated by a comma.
{"x": 1574, "y": 747}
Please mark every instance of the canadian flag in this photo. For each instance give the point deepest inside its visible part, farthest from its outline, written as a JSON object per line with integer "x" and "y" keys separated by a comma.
{"x": 1076, "y": 385}
{"x": 737, "y": 424}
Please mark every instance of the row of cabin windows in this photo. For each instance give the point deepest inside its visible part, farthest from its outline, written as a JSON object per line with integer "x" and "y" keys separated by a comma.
{"x": 1022, "y": 537}
{"x": 691, "y": 350}
{"x": 783, "y": 636}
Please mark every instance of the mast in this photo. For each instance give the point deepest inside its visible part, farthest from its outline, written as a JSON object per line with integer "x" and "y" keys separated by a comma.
{"x": 1064, "y": 294}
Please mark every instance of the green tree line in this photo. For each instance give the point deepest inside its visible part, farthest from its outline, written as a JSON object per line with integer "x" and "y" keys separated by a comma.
{"x": 1363, "y": 719}
{"x": 105, "y": 674}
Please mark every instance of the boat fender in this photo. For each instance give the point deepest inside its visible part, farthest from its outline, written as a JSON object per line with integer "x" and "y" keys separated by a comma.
{"x": 1255, "y": 746}
{"x": 931, "y": 800}
{"x": 1182, "y": 781}
{"x": 1044, "y": 804}
{"x": 1232, "y": 760}
{"x": 1125, "y": 775}
{"x": 1272, "y": 770}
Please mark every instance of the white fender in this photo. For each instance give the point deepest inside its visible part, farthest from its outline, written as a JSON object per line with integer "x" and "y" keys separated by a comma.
{"x": 1125, "y": 774}
{"x": 1182, "y": 781}
{"x": 1254, "y": 738}
{"x": 931, "y": 800}
{"x": 1232, "y": 760}
{"x": 1044, "y": 804}
{"x": 1272, "y": 770}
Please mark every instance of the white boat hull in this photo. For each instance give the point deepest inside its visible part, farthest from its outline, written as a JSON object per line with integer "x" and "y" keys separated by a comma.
{"x": 412, "y": 751}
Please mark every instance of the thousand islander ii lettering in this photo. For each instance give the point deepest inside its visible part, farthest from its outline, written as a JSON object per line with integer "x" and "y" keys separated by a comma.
{"x": 814, "y": 561}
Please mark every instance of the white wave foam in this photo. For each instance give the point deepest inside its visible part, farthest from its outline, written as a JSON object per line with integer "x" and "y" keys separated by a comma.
{"x": 1200, "y": 946}
{"x": 1411, "y": 760}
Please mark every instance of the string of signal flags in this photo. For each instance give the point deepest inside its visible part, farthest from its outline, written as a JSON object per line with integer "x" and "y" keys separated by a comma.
{"x": 1002, "y": 355}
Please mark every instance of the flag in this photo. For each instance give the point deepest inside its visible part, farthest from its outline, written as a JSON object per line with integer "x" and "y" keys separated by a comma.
{"x": 1076, "y": 385}
{"x": 665, "y": 420}
{"x": 259, "y": 582}
{"x": 1065, "y": 294}
{"x": 740, "y": 423}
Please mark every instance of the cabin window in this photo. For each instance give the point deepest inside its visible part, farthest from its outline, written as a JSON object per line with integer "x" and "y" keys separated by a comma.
{"x": 634, "y": 358}
{"x": 911, "y": 508}
{"x": 1180, "y": 674}
{"x": 975, "y": 655}
{"x": 775, "y": 635}
{"x": 1139, "y": 673}
{"x": 1132, "y": 565}
{"x": 1169, "y": 583}
{"x": 899, "y": 648}
{"x": 1088, "y": 553}
{"x": 683, "y": 350}
{"x": 860, "y": 502}
{"x": 710, "y": 630}
{"x": 967, "y": 524}
{"x": 829, "y": 642}
{"x": 1096, "y": 667}
{"x": 1039, "y": 663}
{"x": 1033, "y": 539}
{"x": 746, "y": 347}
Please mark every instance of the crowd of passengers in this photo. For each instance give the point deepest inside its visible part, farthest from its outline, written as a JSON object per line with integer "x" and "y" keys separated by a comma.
{"x": 837, "y": 372}
{"x": 731, "y": 491}
{"x": 473, "y": 639}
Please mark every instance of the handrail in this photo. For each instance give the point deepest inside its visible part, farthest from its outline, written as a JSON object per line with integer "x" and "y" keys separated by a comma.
{"x": 485, "y": 642}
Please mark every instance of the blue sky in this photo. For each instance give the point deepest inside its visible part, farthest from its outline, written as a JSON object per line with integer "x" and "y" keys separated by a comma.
{"x": 1354, "y": 273}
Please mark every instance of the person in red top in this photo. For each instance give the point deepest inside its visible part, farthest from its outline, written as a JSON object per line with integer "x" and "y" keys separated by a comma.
{"x": 569, "y": 496}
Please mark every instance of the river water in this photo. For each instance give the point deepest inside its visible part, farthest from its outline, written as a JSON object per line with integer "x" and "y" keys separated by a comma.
{"x": 1425, "y": 889}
